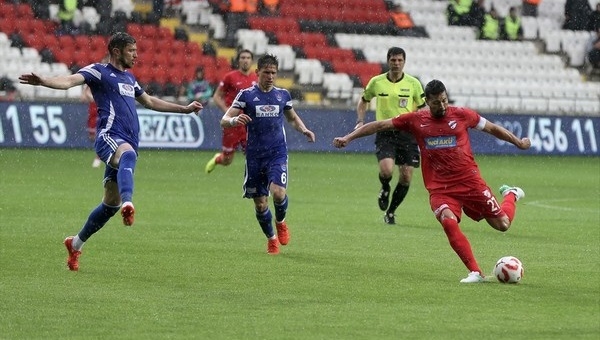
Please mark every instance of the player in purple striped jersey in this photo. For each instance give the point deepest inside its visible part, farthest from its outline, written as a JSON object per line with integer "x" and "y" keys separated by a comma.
{"x": 115, "y": 91}
{"x": 263, "y": 108}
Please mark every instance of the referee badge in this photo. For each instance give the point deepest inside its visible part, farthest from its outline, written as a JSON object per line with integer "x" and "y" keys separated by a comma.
{"x": 403, "y": 103}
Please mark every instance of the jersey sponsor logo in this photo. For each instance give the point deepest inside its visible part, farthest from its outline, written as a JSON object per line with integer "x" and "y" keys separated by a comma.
{"x": 169, "y": 130}
{"x": 126, "y": 90}
{"x": 267, "y": 111}
{"x": 440, "y": 142}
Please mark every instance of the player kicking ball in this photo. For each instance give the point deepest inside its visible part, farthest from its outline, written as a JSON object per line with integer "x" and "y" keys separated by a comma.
{"x": 450, "y": 172}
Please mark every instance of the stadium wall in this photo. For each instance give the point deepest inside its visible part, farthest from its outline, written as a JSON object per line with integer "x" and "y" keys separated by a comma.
{"x": 63, "y": 125}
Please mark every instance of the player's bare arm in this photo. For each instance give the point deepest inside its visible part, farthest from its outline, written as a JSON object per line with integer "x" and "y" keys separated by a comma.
{"x": 361, "y": 111}
{"x": 365, "y": 130}
{"x": 294, "y": 120}
{"x": 218, "y": 99}
{"x": 505, "y": 135}
{"x": 234, "y": 117}
{"x": 157, "y": 104}
{"x": 59, "y": 83}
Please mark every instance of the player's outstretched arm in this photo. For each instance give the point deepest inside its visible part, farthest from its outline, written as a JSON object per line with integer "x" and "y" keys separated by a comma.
{"x": 365, "y": 130}
{"x": 505, "y": 135}
{"x": 59, "y": 83}
{"x": 295, "y": 120}
{"x": 157, "y": 104}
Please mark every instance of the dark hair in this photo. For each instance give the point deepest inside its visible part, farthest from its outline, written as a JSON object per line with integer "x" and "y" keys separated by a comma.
{"x": 433, "y": 88}
{"x": 119, "y": 40}
{"x": 267, "y": 59}
{"x": 395, "y": 51}
{"x": 199, "y": 69}
{"x": 237, "y": 58}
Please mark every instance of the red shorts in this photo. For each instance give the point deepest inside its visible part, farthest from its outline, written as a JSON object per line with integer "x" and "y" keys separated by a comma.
{"x": 92, "y": 119}
{"x": 478, "y": 202}
{"x": 233, "y": 138}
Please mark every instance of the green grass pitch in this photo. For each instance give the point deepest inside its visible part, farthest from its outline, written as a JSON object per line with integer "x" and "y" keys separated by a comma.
{"x": 194, "y": 265}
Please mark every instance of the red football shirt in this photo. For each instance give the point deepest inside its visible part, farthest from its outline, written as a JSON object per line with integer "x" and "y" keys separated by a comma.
{"x": 447, "y": 161}
{"x": 235, "y": 81}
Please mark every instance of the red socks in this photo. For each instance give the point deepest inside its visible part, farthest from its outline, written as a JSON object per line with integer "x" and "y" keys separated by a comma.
{"x": 508, "y": 205}
{"x": 460, "y": 244}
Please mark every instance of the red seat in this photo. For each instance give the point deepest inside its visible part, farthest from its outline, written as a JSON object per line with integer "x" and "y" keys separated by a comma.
{"x": 165, "y": 33}
{"x": 314, "y": 39}
{"x": 149, "y": 32}
{"x": 24, "y": 11}
{"x": 82, "y": 41}
{"x": 135, "y": 30}
{"x": 66, "y": 41}
{"x": 287, "y": 38}
{"x": 6, "y": 11}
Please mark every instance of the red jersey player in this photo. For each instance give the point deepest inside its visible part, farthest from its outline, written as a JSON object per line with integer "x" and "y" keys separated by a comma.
{"x": 232, "y": 83}
{"x": 450, "y": 172}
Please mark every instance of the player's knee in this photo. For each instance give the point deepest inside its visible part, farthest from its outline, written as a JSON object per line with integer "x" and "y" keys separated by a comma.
{"x": 503, "y": 224}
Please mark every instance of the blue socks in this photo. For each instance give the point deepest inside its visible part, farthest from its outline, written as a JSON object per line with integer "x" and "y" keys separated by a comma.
{"x": 97, "y": 219}
{"x": 280, "y": 209}
{"x": 125, "y": 175}
{"x": 265, "y": 220}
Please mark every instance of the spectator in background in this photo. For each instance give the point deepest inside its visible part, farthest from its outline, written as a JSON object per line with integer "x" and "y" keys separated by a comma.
{"x": 530, "y": 8}
{"x": 158, "y": 7}
{"x": 199, "y": 89}
{"x": 593, "y": 50}
{"x": 269, "y": 7}
{"x": 490, "y": 30}
{"x": 511, "y": 28}
{"x": 577, "y": 13}
{"x": 400, "y": 18}
{"x": 457, "y": 12}
{"x": 476, "y": 14}
{"x": 594, "y": 19}
{"x": 8, "y": 91}
{"x": 66, "y": 13}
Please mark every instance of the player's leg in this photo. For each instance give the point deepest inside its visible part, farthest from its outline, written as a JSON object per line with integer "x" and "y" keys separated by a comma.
{"x": 232, "y": 137}
{"x": 96, "y": 220}
{"x": 256, "y": 187}
{"x": 124, "y": 159}
{"x": 278, "y": 179}
{"x": 508, "y": 207}
{"x": 385, "y": 153}
{"x": 447, "y": 212}
{"x": 407, "y": 159}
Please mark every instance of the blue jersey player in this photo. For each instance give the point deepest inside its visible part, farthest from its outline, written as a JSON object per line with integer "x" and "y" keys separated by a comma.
{"x": 115, "y": 91}
{"x": 262, "y": 109}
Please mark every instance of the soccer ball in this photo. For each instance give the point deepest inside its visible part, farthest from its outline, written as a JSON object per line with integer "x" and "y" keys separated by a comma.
{"x": 508, "y": 269}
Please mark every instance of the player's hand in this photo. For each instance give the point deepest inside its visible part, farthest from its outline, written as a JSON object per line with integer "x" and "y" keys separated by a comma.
{"x": 243, "y": 119}
{"x": 194, "y": 107}
{"x": 524, "y": 144}
{"x": 31, "y": 79}
{"x": 310, "y": 135}
{"x": 340, "y": 142}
